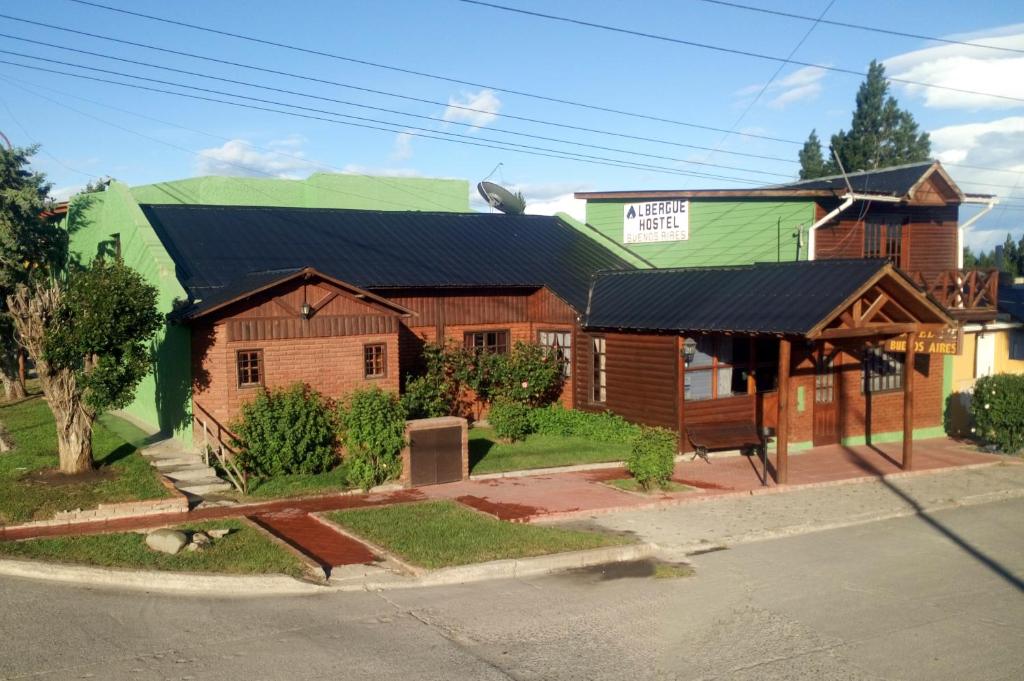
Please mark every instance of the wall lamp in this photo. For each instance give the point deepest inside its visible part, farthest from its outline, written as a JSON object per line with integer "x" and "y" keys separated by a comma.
{"x": 689, "y": 350}
{"x": 306, "y": 310}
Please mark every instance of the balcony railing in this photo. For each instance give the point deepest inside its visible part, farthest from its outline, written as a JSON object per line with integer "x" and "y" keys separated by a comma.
{"x": 963, "y": 291}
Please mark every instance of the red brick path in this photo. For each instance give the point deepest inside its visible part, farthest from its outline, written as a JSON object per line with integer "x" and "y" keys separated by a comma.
{"x": 324, "y": 545}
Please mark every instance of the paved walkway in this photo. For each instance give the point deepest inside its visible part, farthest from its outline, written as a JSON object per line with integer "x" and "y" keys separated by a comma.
{"x": 553, "y": 496}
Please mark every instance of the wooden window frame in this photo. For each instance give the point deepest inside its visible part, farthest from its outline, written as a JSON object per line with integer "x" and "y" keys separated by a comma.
{"x": 260, "y": 368}
{"x": 879, "y": 241}
{"x": 751, "y": 366}
{"x": 371, "y": 361}
{"x": 593, "y": 386}
{"x": 886, "y": 383}
{"x": 469, "y": 343}
{"x": 566, "y": 362}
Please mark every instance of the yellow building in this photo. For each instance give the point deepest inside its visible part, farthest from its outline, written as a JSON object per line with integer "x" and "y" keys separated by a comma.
{"x": 993, "y": 347}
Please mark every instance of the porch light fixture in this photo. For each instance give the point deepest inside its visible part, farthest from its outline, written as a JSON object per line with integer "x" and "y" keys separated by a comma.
{"x": 306, "y": 310}
{"x": 689, "y": 350}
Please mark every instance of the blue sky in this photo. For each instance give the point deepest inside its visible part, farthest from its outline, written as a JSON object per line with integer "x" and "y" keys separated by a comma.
{"x": 93, "y": 129}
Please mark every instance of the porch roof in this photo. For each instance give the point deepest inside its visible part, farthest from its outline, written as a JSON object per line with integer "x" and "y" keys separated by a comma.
{"x": 792, "y": 298}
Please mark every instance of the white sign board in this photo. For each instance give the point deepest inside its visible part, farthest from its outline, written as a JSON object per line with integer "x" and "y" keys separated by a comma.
{"x": 652, "y": 221}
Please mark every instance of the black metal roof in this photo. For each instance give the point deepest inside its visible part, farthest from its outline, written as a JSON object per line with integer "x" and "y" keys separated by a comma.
{"x": 892, "y": 181}
{"x": 219, "y": 251}
{"x": 781, "y": 298}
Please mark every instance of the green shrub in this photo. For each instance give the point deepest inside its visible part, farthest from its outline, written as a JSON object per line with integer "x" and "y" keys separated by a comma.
{"x": 529, "y": 374}
{"x": 286, "y": 431}
{"x": 601, "y": 427}
{"x": 997, "y": 408}
{"x": 372, "y": 426}
{"x": 426, "y": 397}
{"x": 510, "y": 420}
{"x": 652, "y": 457}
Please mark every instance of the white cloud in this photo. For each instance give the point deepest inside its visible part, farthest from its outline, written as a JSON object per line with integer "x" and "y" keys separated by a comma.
{"x": 967, "y": 68}
{"x": 402, "y": 148}
{"x": 281, "y": 158}
{"x": 485, "y": 103}
{"x": 801, "y": 85}
{"x": 64, "y": 193}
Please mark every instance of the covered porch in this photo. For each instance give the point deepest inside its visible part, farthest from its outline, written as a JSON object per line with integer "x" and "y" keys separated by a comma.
{"x": 808, "y": 354}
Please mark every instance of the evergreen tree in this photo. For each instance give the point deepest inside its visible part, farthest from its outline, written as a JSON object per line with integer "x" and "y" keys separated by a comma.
{"x": 812, "y": 163}
{"x": 881, "y": 134}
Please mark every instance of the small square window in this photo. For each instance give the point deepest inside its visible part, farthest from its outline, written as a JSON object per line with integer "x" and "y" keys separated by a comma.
{"x": 375, "y": 360}
{"x": 250, "y": 368}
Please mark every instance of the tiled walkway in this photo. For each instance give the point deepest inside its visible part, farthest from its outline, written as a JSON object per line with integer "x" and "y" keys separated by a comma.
{"x": 562, "y": 494}
{"x": 313, "y": 538}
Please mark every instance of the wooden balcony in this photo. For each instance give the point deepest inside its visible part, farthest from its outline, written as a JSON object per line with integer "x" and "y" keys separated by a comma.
{"x": 966, "y": 294}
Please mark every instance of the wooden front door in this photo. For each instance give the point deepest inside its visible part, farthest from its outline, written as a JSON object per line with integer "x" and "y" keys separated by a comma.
{"x": 826, "y": 397}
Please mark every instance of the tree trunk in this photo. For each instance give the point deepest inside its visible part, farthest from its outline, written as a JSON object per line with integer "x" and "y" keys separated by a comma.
{"x": 14, "y": 389}
{"x": 74, "y": 439}
{"x": 6, "y": 441}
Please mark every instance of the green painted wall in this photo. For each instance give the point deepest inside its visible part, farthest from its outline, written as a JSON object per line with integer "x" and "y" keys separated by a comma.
{"x": 320, "y": 190}
{"x": 721, "y": 232}
{"x": 163, "y": 399}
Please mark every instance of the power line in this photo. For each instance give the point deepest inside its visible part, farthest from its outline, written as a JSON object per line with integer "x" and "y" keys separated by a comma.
{"x": 861, "y": 27}
{"x": 356, "y": 104}
{"x": 764, "y": 88}
{"x": 422, "y": 74}
{"x": 504, "y": 146}
{"x": 386, "y": 93}
{"x": 727, "y": 50}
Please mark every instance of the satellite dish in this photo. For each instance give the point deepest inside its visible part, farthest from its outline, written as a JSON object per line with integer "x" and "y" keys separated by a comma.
{"x": 501, "y": 198}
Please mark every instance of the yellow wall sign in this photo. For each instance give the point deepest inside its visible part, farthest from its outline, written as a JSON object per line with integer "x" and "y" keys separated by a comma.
{"x": 948, "y": 341}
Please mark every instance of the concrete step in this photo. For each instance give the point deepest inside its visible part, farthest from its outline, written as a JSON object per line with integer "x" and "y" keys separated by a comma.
{"x": 174, "y": 460}
{"x": 186, "y": 473}
{"x": 202, "y": 487}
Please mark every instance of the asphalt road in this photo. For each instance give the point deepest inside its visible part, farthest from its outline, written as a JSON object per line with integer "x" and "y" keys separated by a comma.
{"x": 939, "y": 597}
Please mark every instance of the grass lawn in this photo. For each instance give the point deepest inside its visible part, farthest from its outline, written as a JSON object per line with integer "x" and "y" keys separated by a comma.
{"x": 244, "y": 551}
{"x": 297, "y": 485}
{"x": 122, "y": 474}
{"x": 489, "y": 455}
{"x": 631, "y": 485}
{"x": 438, "y": 534}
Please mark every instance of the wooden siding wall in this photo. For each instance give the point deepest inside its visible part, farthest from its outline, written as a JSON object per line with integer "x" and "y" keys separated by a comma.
{"x": 930, "y": 245}
{"x": 641, "y": 376}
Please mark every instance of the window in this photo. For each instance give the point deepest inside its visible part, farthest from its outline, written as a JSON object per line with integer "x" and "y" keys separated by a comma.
{"x": 882, "y": 371}
{"x": 599, "y": 383}
{"x": 487, "y": 341}
{"x": 1017, "y": 344}
{"x": 250, "y": 368}
{"x": 560, "y": 343}
{"x": 884, "y": 240}
{"x": 375, "y": 363}
{"x": 731, "y": 365}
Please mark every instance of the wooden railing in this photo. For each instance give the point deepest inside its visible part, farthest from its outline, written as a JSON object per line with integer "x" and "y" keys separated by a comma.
{"x": 217, "y": 442}
{"x": 962, "y": 290}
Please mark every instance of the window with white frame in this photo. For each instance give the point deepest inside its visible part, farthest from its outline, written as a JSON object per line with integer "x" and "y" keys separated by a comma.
{"x": 560, "y": 345}
{"x": 598, "y": 392}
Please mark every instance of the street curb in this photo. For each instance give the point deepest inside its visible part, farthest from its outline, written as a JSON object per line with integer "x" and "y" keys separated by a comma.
{"x": 690, "y": 498}
{"x": 691, "y": 550}
{"x": 244, "y": 586}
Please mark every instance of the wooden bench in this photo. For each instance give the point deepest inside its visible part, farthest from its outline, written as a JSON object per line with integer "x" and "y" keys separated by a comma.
{"x": 724, "y": 435}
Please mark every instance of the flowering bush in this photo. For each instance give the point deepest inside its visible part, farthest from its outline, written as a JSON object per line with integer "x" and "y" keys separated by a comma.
{"x": 997, "y": 408}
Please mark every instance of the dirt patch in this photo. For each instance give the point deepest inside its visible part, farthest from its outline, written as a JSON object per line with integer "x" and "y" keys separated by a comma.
{"x": 52, "y": 477}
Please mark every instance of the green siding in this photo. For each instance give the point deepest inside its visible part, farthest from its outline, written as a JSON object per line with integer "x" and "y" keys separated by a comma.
{"x": 721, "y": 232}
{"x": 163, "y": 399}
{"x": 320, "y": 190}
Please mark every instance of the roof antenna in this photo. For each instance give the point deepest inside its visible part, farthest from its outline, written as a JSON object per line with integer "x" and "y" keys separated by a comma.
{"x": 842, "y": 170}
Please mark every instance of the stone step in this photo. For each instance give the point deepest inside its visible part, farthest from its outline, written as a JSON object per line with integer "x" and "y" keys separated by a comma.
{"x": 192, "y": 472}
{"x": 206, "y": 486}
{"x": 175, "y": 460}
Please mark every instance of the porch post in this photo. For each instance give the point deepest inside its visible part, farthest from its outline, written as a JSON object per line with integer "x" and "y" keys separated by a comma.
{"x": 782, "y": 429}
{"x": 908, "y": 403}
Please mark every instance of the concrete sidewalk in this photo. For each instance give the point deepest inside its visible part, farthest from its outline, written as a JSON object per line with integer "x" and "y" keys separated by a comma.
{"x": 728, "y": 521}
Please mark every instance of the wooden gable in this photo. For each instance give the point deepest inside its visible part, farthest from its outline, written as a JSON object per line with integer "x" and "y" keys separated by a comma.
{"x": 935, "y": 188}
